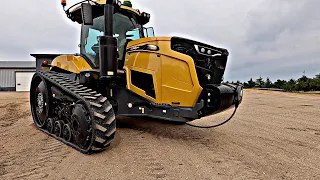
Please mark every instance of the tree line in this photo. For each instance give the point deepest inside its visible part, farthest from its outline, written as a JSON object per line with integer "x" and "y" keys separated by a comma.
{"x": 304, "y": 83}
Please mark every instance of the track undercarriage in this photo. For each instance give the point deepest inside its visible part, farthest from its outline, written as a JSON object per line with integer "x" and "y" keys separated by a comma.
{"x": 71, "y": 113}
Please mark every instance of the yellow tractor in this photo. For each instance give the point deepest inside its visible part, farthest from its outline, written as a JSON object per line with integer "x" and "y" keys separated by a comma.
{"x": 124, "y": 70}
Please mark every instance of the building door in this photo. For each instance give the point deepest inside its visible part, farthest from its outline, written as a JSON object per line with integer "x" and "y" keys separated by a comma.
{"x": 23, "y": 80}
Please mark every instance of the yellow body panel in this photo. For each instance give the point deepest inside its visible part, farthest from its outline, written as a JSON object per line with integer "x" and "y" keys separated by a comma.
{"x": 71, "y": 63}
{"x": 174, "y": 74}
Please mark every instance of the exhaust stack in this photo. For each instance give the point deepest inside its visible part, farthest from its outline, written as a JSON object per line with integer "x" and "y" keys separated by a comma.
{"x": 108, "y": 45}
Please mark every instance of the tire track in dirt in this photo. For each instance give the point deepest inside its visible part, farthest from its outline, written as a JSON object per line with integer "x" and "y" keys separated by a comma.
{"x": 50, "y": 155}
{"x": 5, "y": 161}
{"x": 140, "y": 151}
{"x": 12, "y": 113}
{"x": 308, "y": 130}
{"x": 197, "y": 141}
{"x": 179, "y": 133}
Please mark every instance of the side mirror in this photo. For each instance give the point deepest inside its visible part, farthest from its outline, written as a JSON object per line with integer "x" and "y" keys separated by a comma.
{"x": 86, "y": 11}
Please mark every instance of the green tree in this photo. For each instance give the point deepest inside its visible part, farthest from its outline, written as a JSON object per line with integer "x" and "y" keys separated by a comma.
{"x": 317, "y": 82}
{"x": 303, "y": 79}
{"x": 314, "y": 84}
{"x": 303, "y": 83}
{"x": 245, "y": 85}
{"x": 290, "y": 85}
{"x": 268, "y": 83}
{"x": 280, "y": 84}
{"x": 260, "y": 82}
{"x": 251, "y": 83}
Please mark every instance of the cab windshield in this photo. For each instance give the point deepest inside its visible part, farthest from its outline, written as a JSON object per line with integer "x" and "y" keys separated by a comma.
{"x": 90, "y": 35}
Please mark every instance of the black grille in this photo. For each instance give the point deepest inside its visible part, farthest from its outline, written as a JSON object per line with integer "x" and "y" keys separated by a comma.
{"x": 208, "y": 66}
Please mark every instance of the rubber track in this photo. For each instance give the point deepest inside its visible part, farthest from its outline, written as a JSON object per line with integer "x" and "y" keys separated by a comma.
{"x": 101, "y": 112}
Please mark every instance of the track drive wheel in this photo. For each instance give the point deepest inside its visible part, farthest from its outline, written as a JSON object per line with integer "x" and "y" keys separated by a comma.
{"x": 81, "y": 125}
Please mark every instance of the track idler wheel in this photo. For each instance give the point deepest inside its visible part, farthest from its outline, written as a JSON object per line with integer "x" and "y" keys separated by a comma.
{"x": 50, "y": 125}
{"x": 58, "y": 125}
{"x": 81, "y": 125}
{"x": 66, "y": 132}
{"x": 39, "y": 101}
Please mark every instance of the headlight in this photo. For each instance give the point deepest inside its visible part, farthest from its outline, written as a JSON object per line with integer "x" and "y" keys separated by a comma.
{"x": 240, "y": 93}
{"x": 152, "y": 47}
{"x": 207, "y": 51}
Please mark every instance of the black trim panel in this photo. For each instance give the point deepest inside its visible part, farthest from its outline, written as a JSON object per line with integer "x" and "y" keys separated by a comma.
{"x": 143, "y": 81}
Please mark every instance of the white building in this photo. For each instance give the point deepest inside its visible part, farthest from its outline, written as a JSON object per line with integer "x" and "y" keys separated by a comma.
{"x": 16, "y": 75}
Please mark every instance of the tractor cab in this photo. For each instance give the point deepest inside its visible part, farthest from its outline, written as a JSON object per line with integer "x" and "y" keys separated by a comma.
{"x": 127, "y": 26}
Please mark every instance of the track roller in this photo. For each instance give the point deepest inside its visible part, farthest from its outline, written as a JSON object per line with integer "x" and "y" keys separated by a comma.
{"x": 50, "y": 125}
{"x": 58, "y": 125}
{"x": 66, "y": 132}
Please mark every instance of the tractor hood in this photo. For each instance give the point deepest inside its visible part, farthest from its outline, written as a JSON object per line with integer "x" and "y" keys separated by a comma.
{"x": 210, "y": 61}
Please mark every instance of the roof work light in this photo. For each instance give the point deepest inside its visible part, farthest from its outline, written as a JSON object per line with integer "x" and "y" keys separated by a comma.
{"x": 63, "y": 3}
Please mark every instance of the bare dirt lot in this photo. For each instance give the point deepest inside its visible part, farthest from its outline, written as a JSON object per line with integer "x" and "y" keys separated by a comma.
{"x": 274, "y": 135}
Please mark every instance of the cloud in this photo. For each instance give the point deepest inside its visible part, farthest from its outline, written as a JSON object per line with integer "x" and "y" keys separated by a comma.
{"x": 35, "y": 27}
{"x": 278, "y": 39}
{"x": 283, "y": 36}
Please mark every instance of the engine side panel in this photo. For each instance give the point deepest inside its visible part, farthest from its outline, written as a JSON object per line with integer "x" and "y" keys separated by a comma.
{"x": 174, "y": 74}
{"x": 71, "y": 63}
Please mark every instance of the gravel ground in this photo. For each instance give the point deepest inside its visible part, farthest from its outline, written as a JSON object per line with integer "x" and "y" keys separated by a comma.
{"x": 274, "y": 135}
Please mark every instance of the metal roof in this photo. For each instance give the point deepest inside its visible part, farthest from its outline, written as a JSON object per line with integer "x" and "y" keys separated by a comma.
{"x": 45, "y": 55}
{"x": 17, "y": 64}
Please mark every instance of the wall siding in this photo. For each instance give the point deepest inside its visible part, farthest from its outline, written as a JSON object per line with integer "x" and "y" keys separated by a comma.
{"x": 7, "y": 78}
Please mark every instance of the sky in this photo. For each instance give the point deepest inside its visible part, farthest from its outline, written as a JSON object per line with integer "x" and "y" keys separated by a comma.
{"x": 279, "y": 39}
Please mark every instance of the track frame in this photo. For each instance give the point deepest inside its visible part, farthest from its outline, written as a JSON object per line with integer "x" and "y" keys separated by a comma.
{"x": 103, "y": 123}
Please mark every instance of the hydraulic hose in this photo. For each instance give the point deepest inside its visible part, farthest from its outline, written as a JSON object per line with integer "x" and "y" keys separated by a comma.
{"x": 216, "y": 125}
{"x": 224, "y": 122}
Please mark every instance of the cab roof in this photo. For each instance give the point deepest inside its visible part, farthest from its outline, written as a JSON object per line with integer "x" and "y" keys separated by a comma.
{"x": 75, "y": 12}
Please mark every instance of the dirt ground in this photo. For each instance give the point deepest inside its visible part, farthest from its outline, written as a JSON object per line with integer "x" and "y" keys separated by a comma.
{"x": 274, "y": 135}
